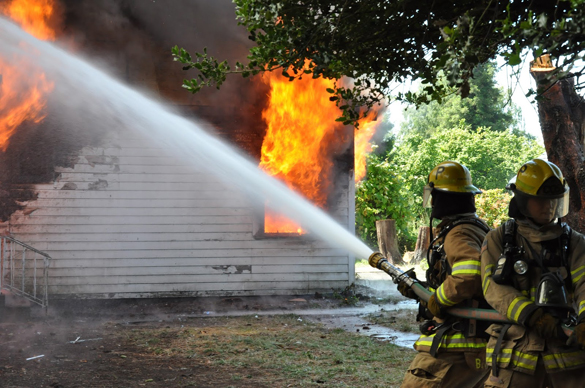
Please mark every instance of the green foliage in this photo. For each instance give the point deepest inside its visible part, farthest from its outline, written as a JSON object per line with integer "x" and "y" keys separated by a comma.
{"x": 487, "y": 106}
{"x": 492, "y": 157}
{"x": 492, "y": 206}
{"x": 382, "y": 196}
{"x": 211, "y": 71}
{"x": 393, "y": 186}
{"x": 376, "y": 42}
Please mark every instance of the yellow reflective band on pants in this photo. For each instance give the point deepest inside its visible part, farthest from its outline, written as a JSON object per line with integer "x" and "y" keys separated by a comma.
{"x": 517, "y": 359}
{"x": 565, "y": 360}
{"x": 450, "y": 342}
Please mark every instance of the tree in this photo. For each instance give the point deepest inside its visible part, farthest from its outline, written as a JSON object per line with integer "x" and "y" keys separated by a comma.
{"x": 487, "y": 106}
{"x": 382, "y": 195}
{"x": 394, "y": 185}
{"x": 562, "y": 120}
{"x": 492, "y": 157}
{"x": 374, "y": 42}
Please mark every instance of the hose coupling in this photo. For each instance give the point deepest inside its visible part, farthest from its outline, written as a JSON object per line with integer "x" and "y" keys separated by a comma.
{"x": 375, "y": 259}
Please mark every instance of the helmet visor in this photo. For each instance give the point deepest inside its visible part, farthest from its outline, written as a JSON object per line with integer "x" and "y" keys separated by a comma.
{"x": 541, "y": 209}
{"x": 427, "y": 196}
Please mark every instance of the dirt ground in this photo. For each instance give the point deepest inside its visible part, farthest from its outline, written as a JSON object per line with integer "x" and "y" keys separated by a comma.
{"x": 81, "y": 343}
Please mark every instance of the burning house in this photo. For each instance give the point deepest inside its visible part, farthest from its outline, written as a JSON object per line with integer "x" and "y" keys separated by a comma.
{"x": 122, "y": 216}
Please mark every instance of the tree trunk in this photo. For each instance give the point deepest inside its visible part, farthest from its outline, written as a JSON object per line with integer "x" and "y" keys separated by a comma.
{"x": 562, "y": 112}
{"x": 422, "y": 244}
{"x": 386, "y": 231}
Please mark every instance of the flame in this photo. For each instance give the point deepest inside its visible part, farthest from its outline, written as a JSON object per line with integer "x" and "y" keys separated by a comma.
{"x": 362, "y": 146}
{"x": 301, "y": 138}
{"x": 23, "y": 86}
{"x": 34, "y": 16}
{"x": 22, "y": 94}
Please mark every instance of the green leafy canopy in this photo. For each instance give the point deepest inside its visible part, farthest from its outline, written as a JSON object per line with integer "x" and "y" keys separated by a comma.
{"x": 376, "y": 42}
{"x": 394, "y": 184}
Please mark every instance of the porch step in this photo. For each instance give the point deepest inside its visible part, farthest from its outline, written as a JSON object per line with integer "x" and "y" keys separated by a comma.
{"x": 8, "y": 300}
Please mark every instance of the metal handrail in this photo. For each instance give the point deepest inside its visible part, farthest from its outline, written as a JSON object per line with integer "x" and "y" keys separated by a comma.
{"x": 19, "y": 271}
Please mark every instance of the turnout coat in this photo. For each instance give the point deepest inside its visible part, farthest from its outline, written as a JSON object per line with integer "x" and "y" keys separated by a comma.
{"x": 460, "y": 283}
{"x": 521, "y": 348}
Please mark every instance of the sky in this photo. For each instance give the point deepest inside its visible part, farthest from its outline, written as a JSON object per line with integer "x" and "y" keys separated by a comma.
{"x": 520, "y": 87}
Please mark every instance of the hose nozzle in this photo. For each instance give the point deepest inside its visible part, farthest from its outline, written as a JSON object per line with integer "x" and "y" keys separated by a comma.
{"x": 375, "y": 259}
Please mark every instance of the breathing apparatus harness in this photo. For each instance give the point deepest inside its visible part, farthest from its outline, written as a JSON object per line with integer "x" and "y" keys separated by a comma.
{"x": 439, "y": 267}
{"x": 511, "y": 268}
{"x": 551, "y": 292}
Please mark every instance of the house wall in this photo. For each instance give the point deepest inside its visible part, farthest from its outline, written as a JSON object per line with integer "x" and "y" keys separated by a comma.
{"x": 120, "y": 219}
{"x": 125, "y": 222}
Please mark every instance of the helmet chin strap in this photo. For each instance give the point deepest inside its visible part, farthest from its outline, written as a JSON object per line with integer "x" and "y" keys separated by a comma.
{"x": 431, "y": 226}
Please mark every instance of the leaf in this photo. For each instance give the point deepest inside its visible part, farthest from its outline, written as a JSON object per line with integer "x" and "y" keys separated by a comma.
{"x": 514, "y": 59}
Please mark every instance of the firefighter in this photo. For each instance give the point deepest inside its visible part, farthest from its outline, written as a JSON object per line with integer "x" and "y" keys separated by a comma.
{"x": 533, "y": 269}
{"x": 451, "y": 351}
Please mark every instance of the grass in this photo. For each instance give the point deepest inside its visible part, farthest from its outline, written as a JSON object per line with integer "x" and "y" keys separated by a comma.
{"x": 280, "y": 351}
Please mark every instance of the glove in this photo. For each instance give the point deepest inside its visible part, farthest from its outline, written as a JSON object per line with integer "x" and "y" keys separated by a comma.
{"x": 406, "y": 291}
{"x": 577, "y": 338}
{"x": 435, "y": 307}
{"x": 545, "y": 325}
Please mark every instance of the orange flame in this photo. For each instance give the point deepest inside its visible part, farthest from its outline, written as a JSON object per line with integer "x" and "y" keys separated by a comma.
{"x": 22, "y": 94}
{"x": 34, "y": 16}
{"x": 300, "y": 138}
{"x": 23, "y": 86}
{"x": 362, "y": 146}
{"x": 299, "y": 119}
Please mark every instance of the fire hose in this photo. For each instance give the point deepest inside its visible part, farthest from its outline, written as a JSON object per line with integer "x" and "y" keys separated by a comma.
{"x": 377, "y": 260}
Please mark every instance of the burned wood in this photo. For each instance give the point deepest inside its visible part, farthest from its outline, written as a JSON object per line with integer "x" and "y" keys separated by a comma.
{"x": 422, "y": 243}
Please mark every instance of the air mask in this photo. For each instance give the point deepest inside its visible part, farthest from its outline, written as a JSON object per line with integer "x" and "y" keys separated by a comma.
{"x": 551, "y": 292}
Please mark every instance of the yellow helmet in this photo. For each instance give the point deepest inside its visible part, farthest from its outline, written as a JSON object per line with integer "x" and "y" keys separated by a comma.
{"x": 450, "y": 177}
{"x": 542, "y": 180}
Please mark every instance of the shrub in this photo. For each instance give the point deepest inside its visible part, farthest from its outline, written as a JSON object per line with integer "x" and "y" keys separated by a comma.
{"x": 492, "y": 206}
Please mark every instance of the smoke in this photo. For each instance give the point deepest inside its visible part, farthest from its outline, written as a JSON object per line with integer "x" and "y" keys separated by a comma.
{"x": 132, "y": 40}
{"x": 136, "y": 37}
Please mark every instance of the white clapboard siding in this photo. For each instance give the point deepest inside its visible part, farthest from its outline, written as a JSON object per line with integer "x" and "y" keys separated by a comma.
{"x": 223, "y": 254}
{"x": 140, "y": 290}
{"x": 132, "y": 220}
{"x": 207, "y": 270}
{"x": 192, "y": 178}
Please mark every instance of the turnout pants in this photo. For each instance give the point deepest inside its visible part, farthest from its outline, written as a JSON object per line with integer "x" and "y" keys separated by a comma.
{"x": 448, "y": 369}
{"x": 562, "y": 379}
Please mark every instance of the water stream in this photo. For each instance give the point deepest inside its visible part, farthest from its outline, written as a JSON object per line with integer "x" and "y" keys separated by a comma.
{"x": 93, "y": 99}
